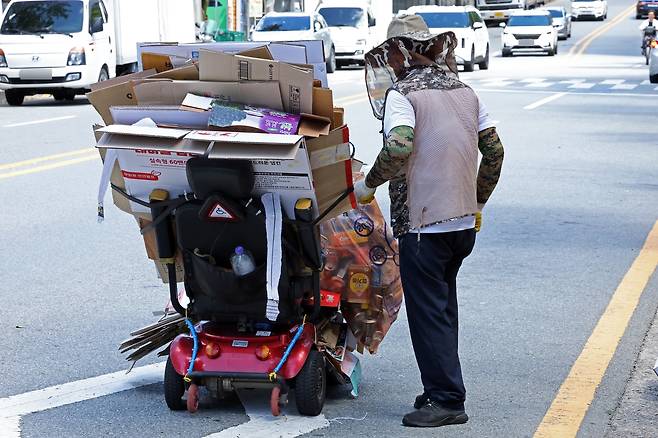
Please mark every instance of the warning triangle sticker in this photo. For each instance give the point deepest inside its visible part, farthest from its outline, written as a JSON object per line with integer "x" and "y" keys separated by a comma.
{"x": 219, "y": 212}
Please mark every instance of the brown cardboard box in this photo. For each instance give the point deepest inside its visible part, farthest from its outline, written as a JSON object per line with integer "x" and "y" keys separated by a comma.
{"x": 295, "y": 82}
{"x": 160, "y": 63}
{"x": 330, "y": 183}
{"x": 118, "y": 91}
{"x": 329, "y": 149}
{"x": 323, "y": 103}
{"x": 170, "y": 92}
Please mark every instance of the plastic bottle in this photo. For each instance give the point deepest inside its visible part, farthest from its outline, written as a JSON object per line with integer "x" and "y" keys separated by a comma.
{"x": 242, "y": 262}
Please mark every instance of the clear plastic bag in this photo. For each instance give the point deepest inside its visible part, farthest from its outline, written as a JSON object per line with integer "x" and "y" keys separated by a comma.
{"x": 361, "y": 263}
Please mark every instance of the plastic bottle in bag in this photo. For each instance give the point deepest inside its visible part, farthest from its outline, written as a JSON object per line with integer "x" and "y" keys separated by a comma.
{"x": 242, "y": 262}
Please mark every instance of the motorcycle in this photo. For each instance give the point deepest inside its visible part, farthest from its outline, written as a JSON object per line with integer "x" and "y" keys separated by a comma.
{"x": 649, "y": 43}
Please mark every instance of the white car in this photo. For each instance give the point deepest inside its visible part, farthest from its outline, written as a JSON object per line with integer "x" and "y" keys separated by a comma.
{"x": 467, "y": 24}
{"x": 296, "y": 26}
{"x": 597, "y": 9}
{"x": 529, "y": 31}
{"x": 352, "y": 29}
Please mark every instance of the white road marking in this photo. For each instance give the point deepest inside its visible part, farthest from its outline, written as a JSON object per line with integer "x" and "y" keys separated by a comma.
{"x": 74, "y": 392}
{"x": 624, "y": 87}
{"x": 532, "y": 80}
{"x": 582, "y": 85}
{"x": 645, "y": 82}
{"x": 540, "y": 84}
{"x": 572, "y": 81}
{"x": 36, "y": 122}
{"x": 10, "y": 427}
{"x": 612, "y": 81}
{"x": 262, "y": 423}
{"x": 571, "y": 93}
{"x": 544, "y": 101}
{"x": 256, "y": 404}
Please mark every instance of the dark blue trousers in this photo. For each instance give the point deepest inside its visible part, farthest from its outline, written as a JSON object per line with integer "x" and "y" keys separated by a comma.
{"x": 429, "y": 268}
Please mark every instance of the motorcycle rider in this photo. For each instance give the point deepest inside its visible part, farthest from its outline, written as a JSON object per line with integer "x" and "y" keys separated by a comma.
{"x": 649, "y": 23}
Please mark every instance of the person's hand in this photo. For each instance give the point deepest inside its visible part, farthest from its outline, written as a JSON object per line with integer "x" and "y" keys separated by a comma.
{"x": 478, "y": 218}
{"x": 363, "y": 193}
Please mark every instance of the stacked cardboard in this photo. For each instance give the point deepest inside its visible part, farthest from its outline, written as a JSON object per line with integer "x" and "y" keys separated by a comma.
{"x": 313, "y": 162}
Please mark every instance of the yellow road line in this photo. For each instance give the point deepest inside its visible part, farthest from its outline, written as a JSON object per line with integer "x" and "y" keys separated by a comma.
{"x": 575, "y": 396}
{"x": 47, "y": 167}
{"x": 582, "y": 45}
{"x": 48, "y": 158}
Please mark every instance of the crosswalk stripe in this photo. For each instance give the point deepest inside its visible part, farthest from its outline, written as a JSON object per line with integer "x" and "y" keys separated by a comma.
{"x": 583, "y": 85}
{"x": 624, "y": 87}
{"x": 540, "y": 84}
{"x": 612, "y": 81}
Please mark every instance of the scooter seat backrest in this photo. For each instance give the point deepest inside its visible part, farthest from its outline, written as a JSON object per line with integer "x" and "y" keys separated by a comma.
{"x": 232, "y": 178}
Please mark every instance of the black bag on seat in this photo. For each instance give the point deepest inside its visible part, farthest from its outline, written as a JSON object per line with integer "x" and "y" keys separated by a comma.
{"x": 215, "y": 292}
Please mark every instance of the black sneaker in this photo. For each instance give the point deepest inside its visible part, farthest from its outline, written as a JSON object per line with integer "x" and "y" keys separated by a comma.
{"x": 434, "y": 415}
{"x": 421, "y": 400}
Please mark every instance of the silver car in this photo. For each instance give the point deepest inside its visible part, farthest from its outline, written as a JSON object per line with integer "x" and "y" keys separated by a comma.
{"x": 561, "y": 21}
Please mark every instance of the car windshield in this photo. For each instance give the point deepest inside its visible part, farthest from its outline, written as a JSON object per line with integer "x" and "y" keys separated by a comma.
{"x": 529, "y": 20}
{"x": 445, "y": 19}
{"x": 338, "y": 17}
{"x": 43, "y": 17}
{"x": 556, "y": 13}
{"x": 283, "y": 23}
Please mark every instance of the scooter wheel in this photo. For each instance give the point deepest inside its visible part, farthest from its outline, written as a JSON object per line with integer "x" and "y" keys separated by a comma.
{"x": 193, "y": 398}
{"x": 174, "y": 388}
{"x": 274, "y": 401}
{"x": 311, "y": 385}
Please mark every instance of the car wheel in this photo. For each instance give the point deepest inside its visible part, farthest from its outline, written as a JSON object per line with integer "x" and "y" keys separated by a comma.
{"x": 555, "y": 48}
{"x": 551, "y": 51}
{"x": 14, "y": 97}
{"x": 331, "y": 62}
{"x": 506, "y": 53}
{"x": 103, "y": 75}
{"x": 653, "y": 79}
{"x": 638, "y": 16}
{"x": 470, "y": 65}
{"x": 59, "y": 95}
{"x": 484, "y": 65}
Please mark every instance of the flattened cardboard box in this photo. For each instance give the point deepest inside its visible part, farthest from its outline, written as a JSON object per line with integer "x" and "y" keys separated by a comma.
{"x": 175, "y": 117}
{"x": 169, "y": 92}
{"x": 153, "y": 158}
{"x": 119, "y": 92}
{"x": 295, "y": 83}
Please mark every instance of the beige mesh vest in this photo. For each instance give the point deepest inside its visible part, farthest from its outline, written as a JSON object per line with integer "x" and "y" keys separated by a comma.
{"x": 442, "y": 172}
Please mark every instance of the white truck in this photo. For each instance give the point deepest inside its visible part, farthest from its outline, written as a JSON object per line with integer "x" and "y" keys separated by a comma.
{"x": 352, "y": 27}
{"x": 500, "y": 10}
{"x": 61, "y": 47}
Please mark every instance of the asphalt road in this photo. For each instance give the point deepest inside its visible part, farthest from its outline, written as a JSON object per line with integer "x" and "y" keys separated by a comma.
{"x": 575, "y": 204}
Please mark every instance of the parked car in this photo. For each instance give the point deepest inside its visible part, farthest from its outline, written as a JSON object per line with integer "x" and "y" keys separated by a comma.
{"x": 61, "y": 47}
{"x": 296, "y": 26}
{"x": 642, "y": 8}
{"x": 529, "y": 31}
{"x": 596, "y": 9}
{"x": 352, "y": 28}
{"x": 561, "y": 21}
{"x": 467, "y": 24}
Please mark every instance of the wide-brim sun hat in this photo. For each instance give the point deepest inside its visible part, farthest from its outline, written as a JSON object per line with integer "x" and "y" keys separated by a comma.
{"x": 409, "y": 45}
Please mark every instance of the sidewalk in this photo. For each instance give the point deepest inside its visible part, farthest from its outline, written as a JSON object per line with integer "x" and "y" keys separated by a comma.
{"x": 637, "y": 412}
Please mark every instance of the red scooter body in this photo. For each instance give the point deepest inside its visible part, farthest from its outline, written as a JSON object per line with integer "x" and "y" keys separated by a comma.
{"x": 223, "y": 350}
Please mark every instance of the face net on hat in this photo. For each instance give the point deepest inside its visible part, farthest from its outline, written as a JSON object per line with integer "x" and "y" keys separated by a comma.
{"x": 396, "y": 57}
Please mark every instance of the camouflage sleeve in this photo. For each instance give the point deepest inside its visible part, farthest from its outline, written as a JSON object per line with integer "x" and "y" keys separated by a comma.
{"x": 491, "y": 164}
{"x": 393, "y": 156}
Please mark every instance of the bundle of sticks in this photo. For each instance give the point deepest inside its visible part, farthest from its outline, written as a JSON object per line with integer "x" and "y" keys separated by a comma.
{"x": 153, "y": 337}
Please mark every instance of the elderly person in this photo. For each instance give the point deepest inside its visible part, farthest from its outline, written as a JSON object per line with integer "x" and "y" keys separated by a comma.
{"x": 433, "y": 126}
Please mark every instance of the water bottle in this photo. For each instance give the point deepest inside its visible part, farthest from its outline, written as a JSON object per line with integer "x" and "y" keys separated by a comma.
{"x": 242, "y": 262}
